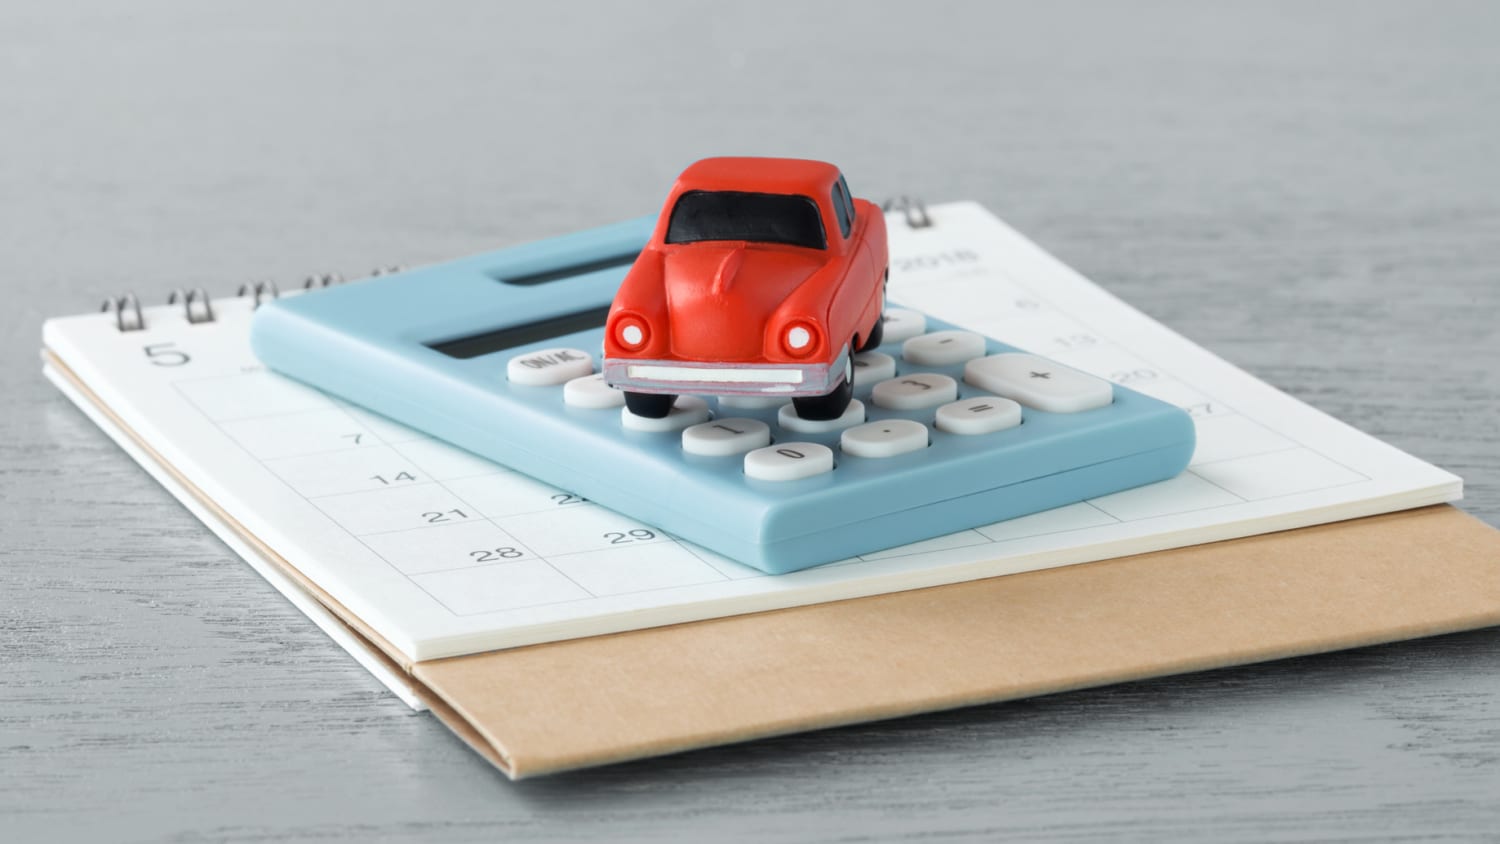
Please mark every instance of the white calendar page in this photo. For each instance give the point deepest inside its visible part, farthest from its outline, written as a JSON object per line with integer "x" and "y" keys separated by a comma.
{"x": 444, "y": 553}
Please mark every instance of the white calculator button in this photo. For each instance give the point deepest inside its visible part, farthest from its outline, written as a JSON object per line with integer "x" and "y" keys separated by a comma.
{"x": 870, "y": 367}
{"x": 549, "y": 366}
{"x": 723, "y": 437}
{"x": 886, "y": 438}
{"x": 787, "y": 418}
{"x": 978, "y": 415}
{"x": 902, "y": 324}
{"x": 1038, "y": 382}
{"x": 915, "y": 391}
{"x": 789, "y": 461}
{"x": 942, "y": 348}
{"x": 753, "y": 402}
{"x": 686, "y": 411}
{"x": 590, "y": 391}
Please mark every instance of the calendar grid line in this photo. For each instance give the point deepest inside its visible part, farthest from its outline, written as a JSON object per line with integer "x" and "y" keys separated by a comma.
{"x": 380, "y": 442}
{"x": 1205, "y": 393}
{"x": 517, "y": 540}
{"x": 1219, "y": 460}
{"x": 1215, "y": 484}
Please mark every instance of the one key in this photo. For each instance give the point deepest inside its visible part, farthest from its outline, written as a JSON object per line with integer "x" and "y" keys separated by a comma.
{"x": 886, "y": 438}
{"x": 942, "y": 348}
{"x": 590, "y": 391}
{"x": 902, "y": 324}
{"x": 870, "y": 367}
{"x": 723, "y": 437}
{"x": 915, "y": 391}
{"x": 1038, "y": 382}
{"x": 789, "y": 461}
{"x": 686, "y": 411}
{"x": 787, "y": 418}
{"x": 978, "y": 415}
{"x": 549, "y": 366}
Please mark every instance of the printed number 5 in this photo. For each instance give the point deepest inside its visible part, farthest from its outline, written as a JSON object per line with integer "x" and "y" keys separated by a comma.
{"x": 162, "y": 354}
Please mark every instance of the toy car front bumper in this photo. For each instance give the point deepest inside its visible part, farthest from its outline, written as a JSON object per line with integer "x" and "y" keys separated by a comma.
{"x": 720, "y": 379}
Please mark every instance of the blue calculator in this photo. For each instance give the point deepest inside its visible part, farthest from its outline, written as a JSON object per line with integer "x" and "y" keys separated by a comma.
{"x": 500, "y": 353}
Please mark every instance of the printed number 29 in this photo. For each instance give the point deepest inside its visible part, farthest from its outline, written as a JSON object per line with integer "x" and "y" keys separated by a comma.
{"x": 162, "y": 354}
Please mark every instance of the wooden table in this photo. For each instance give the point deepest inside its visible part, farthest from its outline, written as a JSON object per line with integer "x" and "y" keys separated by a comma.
{"x": 1314, "y": 194}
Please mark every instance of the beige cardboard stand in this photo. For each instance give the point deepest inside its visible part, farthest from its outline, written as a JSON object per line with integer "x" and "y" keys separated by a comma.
{"x": 553, "y": 707}
{"x": 572, "y": 704}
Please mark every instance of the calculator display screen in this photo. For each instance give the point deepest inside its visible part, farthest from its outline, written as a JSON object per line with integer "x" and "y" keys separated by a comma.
{"x": 511, "y": 336}
{"x": 608, "y": 262}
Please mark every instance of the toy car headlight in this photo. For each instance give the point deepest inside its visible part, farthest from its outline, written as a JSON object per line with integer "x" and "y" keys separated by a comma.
{"x": 631, "y": 332}
{"x": 800, "y": 338}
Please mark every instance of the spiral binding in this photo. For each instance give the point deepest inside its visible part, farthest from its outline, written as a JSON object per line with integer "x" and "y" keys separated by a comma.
{"x": 912, "y": 208}
{"x": 198, "y": 308}
{"x": 127, "y": 311}
{"x": 314, "y": 282}
{"x": 197, "y": 296}
{"x": 259, "y": 290}
{"x": 197, "y": 305}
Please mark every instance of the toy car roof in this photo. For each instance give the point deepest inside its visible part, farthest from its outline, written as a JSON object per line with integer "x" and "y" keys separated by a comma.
{"x": 760, "y": 175}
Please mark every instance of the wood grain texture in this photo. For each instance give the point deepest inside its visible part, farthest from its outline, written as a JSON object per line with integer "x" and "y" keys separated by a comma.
{"x": 1313, "y": 193}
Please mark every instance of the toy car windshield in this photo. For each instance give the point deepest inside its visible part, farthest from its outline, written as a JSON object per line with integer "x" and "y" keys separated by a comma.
{"x": 756, "y": 217}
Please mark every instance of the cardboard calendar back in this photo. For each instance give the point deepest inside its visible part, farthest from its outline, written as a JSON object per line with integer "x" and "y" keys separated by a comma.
{"x": 586, "y": 702}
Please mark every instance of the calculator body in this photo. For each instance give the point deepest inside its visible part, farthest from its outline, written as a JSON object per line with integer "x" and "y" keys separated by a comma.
{"x": 460, "y": 350}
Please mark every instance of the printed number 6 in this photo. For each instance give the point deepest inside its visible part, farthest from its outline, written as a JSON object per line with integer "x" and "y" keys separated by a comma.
{"x": 162, "y": 354}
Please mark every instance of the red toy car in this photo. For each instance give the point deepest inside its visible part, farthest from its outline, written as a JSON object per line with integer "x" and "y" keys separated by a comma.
{"x": 763, "y": 277}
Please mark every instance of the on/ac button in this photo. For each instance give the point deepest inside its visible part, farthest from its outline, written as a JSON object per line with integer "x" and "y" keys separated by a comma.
{"x": 546, "y": 367}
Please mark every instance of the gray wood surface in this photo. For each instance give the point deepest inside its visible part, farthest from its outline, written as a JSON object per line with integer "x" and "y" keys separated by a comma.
{"x": 1312, "y": 192}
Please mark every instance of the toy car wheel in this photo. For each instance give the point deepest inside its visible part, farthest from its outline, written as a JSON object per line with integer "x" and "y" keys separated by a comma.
{"x": 649, "y": 405}
{"x": 877, "y": 334}
{"x": 833, "y": 404}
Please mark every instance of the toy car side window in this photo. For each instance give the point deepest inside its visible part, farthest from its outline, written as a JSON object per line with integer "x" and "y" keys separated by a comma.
{"x": 841, "y": 206}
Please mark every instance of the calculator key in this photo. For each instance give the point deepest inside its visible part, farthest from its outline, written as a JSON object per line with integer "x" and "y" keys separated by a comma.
{"x": 942, "y": 348}
{"x": 590, "y": 391}
{"x": 870, "y": 367}
{"x": 978, "y": 415}
{"x": 686, "y": 411}
{"x": 549, "y": 366}
{"x": 787, "y": 418}
{"x": 723, "y": 437}
{"x": 902, "y": 324}
{"x": 789, "y": 461}
{"x": 1038, "y": 382}
{"x": 753, "y": 402}
{"x": 915, "y": 391}
{"x": 886, "y": 438}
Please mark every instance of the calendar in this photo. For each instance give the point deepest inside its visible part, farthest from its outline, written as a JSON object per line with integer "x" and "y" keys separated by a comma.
{"x": 443, "y": 553}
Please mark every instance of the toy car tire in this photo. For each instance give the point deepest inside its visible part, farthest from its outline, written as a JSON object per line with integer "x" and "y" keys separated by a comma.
{"x": 833, "y": 404}
{"x": 877, "y": 334}
{"x": 649, "y": 405}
